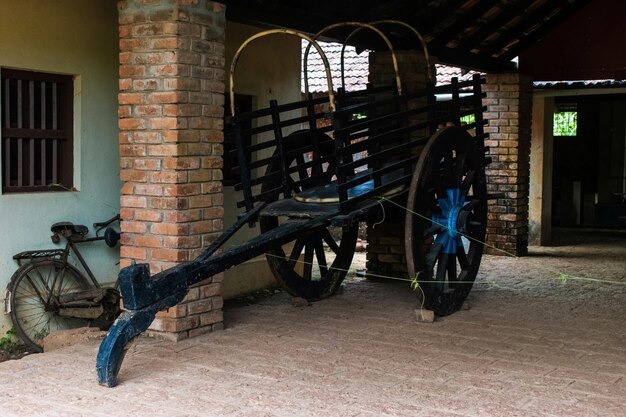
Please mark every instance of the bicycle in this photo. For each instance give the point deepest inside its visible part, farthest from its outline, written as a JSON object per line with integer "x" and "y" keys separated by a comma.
{"x": 47, "y": 293}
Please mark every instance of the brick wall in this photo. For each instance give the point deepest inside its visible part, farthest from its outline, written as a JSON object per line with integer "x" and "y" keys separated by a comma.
{"x": 385, "y": 241}
{"x": 171, "y": 122}
{"x": 509, "y": 113}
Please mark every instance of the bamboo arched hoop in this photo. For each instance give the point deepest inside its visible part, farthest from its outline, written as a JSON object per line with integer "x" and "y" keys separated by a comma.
{"x": 311, "y": 41}
{"x": 359, "y": 25}
{"x": 431, "y": 76}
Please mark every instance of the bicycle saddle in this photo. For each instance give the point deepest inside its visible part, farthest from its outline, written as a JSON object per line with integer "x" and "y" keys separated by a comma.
{"x": 68, "y": 229}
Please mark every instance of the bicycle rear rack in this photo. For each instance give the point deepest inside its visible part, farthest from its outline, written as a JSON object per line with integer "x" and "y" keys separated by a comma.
{"x": 30, "y": 255}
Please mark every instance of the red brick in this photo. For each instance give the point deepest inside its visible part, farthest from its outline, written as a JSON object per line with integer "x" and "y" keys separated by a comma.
{"x": 182, "y": 163}
{"x": 210, "y": 290}
{"x": 185, "y": 216}
{"x": 125, "y": 84}
{"x": 171, "y": 177}
{"x": 148, "y": 110}
{"x": 181, "y": 242}
{"x": 216, "y": 316}
{"x": 164, "y": 97}
{"x": 177, "y": 311}
{"x": 169, "y": 203}
{"x": 132, "y": 175}
{"x": 167, "y": 150}
{"x": 164, "y": 123}
{"x": 131, "y": 123}
{"x": 147, "y": 137}
{"x": 133, "y": 227}
{"x": 199, "y": 228}
{"x": 149, "y": 189}
{"x": 201, "y": 306}
{"x": 171, "y": 229}
{"x": 133, "y": 201}
{"x": 213, "y": 213}
{"x": 127, "y": 71}
{"x": 123, "y": 111}
{"x": 148, "y": 241}
{"x": 148, "y": 215}
{"x": 174, "y": 255}
{"x": 200, "y": 201}
{"x": 181, "y": 190}
{"x": 133, "y": 252}
{"x": 202, "y": 175}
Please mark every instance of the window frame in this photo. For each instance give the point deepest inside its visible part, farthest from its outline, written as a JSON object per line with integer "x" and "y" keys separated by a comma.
{"x": 35, "y": 141}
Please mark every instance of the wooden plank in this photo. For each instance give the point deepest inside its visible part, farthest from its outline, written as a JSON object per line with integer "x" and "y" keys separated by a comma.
{"x": 7, "y": 141}
{"x": 7, "y": 162}
{"x": 20, "y": 160}
{"x": 55, "y": 154}
{"x": 55, "y": 145}
{"x": 31, "y": 125}
{"x": 42, "y": 126}
{"x": 60, "y": 134}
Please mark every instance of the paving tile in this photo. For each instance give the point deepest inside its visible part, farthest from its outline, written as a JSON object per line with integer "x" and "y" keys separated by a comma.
{"x": 527, "y": 347}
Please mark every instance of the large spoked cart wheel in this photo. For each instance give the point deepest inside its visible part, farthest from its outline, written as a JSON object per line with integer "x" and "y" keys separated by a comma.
{"x": 446, "y": 220}
{"x": 316, "y": 263}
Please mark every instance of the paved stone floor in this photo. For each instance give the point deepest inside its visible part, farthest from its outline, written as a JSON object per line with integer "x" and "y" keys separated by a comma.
{"x": 535, "y": 342}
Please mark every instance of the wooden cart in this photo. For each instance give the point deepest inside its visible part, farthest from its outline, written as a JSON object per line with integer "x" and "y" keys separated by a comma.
{"x": 308, "y": 184}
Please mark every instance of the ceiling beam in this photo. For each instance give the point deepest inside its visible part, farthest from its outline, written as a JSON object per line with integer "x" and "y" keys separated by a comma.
{"x": 528, "y": 20}
{"x": 527, "y": 40}
{"x": 472, "y": 61}
{"x": 463, "y": 20}
{"x": 507, "y": 13}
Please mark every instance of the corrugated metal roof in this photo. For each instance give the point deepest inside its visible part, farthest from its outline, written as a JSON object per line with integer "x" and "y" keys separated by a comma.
{"x": 580, "y": 84}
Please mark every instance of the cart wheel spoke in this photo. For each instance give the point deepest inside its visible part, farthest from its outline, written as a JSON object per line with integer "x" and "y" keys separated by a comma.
{"x": 451, "y": 268}
{"x": 320, "y": 254}
{"x": 462, "y": 257}
{"x": 308, "y": 262}
{"x": 467, "y": 183}
{"x": 433, "y": 230}
{"x": 330, "y": 241}
{"x": 460, "y": 167}
{"x": 303, "y": 280}
{"x": 471, "y": 205}
{"x": 297, "y": 251}
{"x": 432, "y": 256}
{"x": 452, "y": 165}
{"x": 442, "y": 269}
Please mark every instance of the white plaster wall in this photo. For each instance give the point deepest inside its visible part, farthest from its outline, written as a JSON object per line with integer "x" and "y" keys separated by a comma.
{"x": 77, "y": 37}
{"x": 268, "y": 69}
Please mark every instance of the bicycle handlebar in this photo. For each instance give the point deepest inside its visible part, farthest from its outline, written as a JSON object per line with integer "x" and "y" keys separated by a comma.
{"x": 102, "y": 225}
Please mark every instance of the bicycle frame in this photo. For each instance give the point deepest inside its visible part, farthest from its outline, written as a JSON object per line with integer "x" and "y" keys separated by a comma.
{"x": 71, "y": 246}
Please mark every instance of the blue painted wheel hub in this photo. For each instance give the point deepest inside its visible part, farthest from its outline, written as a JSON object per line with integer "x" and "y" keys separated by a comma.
{"x": 450, "y": 237}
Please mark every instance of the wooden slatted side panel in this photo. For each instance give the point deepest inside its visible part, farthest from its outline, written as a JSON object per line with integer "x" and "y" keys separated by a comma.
{"x": 280, "y": 149}
{"x": 395, "y": 129}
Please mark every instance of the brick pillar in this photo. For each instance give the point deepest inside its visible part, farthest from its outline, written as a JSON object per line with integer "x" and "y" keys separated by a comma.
{"x": 385, "y": 242}
{"x": 509, "y": 112}
{"x": 171, "y": 132}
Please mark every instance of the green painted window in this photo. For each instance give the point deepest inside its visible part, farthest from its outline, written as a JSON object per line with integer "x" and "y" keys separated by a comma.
{"x": 469, "y": 119}
{"x": 565, "y": 121}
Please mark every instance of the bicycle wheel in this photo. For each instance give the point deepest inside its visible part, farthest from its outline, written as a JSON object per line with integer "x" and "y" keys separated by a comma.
{"x": 34, "y": 292}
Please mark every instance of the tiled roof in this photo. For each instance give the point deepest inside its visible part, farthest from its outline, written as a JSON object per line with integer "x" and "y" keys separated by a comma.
{"x": 357, "y": 69}
{"x": 445, "y": 73}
